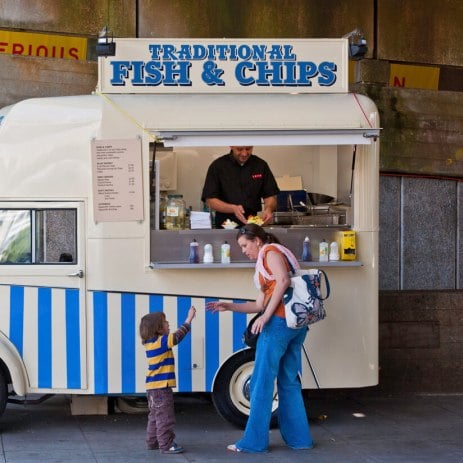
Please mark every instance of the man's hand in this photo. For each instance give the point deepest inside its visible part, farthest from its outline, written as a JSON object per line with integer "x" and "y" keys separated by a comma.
{"x": 238, "y": 210}
{"x": 267, "y": 216}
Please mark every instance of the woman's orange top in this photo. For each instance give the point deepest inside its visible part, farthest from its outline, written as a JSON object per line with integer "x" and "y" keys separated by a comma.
{"x": 268, "y": 286}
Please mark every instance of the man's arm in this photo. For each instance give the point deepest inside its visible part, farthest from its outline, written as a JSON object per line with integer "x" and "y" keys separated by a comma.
{"x": 270, "y": 205}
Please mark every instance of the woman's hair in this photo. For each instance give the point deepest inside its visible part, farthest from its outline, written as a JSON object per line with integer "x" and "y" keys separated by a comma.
{"x": 251, "y": 231}
{"x": 152, "y": 325}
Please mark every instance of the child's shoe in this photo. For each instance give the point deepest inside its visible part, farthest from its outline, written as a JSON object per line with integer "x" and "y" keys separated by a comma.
{"x": 175, "y": 448}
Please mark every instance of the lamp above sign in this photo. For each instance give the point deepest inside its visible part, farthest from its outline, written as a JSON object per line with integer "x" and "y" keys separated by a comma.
{"x": 225, "y": 66}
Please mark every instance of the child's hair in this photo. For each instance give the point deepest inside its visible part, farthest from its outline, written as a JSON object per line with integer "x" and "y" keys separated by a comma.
{"x": 152, "y": 325}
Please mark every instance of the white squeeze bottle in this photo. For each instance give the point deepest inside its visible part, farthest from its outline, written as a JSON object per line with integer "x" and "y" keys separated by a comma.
{"x": 334, "y": 251}
{"x": 225, "y": 253}
{"x": 208, "y": 257}
{"x": 323, "y": 255}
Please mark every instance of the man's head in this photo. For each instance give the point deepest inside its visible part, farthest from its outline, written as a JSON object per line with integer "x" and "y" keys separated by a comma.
{"x": 241, "y": 153}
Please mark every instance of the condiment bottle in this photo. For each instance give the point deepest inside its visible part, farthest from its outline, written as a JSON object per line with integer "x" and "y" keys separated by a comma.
{"x": 194, "y": 255}
{"x": 225, "y": 253}
{"x": 306, "y": 254}
{"x": 208, "y": 257}
{"x": 334, "y": 251}
{"x": 323, "y": 255}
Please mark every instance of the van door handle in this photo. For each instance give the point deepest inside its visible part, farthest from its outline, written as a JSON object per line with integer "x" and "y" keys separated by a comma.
{"x": 79, "y": 274}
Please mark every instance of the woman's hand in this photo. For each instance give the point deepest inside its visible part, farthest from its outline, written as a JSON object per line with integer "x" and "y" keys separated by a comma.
{"x": 218, "y": 306}
{"x": 258, "y": 325}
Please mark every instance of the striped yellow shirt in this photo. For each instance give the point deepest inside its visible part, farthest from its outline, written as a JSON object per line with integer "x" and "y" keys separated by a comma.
{"x": 160, "y": 358}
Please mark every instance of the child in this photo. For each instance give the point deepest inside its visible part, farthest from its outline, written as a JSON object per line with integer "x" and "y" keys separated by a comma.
{"x": 160, "y": 378}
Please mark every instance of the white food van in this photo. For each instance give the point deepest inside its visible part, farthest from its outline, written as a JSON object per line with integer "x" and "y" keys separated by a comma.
{"x": 83, "y": 255}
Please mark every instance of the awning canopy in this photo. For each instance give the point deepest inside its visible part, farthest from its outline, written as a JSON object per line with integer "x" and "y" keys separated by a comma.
{"x": 237, "y": 120}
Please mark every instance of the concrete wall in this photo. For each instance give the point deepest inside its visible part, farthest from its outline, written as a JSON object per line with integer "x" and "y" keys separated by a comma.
{"x": 254, "y": 18}
{"x": 421, "y": 341}
{"x": 25, "y": 77}
{"x": 77, "y": 17}
{"x": 420, "y": 31}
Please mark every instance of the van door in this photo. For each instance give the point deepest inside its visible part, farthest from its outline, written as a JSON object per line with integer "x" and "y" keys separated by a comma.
{"x": 42, "y": 290}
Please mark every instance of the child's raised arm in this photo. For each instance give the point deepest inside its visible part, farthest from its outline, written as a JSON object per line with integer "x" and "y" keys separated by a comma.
{"x": 191, "y": 314}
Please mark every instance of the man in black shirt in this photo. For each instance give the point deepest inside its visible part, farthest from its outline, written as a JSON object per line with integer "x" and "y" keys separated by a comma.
{"x": 235, "y": 185}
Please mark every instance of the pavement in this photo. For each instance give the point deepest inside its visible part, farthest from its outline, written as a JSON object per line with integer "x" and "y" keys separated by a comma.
{"x": 346, "y": 429}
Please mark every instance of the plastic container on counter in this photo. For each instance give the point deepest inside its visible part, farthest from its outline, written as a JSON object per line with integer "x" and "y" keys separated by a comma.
{"x": 323, "y": 255}
{"x": 306, "y": 254}
{"x": 208, "y": 257}
{"x": 334, "y": 251}
{"x": 175, "y": 212}
{"x": 194, "y": 254}
{"x": 225, "y": 253}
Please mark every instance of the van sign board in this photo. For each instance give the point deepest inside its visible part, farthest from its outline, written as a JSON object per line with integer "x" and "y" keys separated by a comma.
{"x": 225, "y": 66}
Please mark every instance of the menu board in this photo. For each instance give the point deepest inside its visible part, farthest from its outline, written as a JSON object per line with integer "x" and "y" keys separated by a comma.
{"x": 117, "y": 180}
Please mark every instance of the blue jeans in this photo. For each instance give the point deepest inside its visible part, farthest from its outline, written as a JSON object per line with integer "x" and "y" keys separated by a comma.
{"x": 278, "y": 355}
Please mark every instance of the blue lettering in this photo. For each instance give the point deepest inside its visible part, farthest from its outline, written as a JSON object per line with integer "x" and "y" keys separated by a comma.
{"x": 199, "y": 52}
{"x": 259, "y": 52}
{"x": 290, "y": 73}
{"x": 154, "y": 50}
{"x": 327, "y": 74}
{"x": 184, "y": 52}
{"x": 244, "y": 52}
{"x": 307, "y": 70}
{"x": 240, "y": 73}
{"x": 275, "y": 53}
{"x": 177, "y": 73}
{"x": 268, "y": 73}
{"x": 153, "y": 73}
{"x": 138, "y": 67}
{"x": 222, "y": 52}
{"x": 288, "y": 53}
{"x": 168, "y": 52}
{"x": 233, "y": 54}
{"x": 120, "y": 72}
{"x": 210, "y": 52}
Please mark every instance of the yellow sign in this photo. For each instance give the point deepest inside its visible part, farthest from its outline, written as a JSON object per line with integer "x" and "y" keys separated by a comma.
{"x": 43, "y": 45}
{"x": 404, "y": 75}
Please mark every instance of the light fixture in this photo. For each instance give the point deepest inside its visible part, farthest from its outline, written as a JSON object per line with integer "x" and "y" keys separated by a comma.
{"x": 357, "y": 44}
{"x": 105, "y": 45}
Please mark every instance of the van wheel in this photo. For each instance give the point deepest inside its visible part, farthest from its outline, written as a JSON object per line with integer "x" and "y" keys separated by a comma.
{"x": 3, "y": 392}
{"x": 231, "y": 393}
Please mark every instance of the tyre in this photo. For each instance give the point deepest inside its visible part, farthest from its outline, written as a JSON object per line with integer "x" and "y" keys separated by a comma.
{"x": 231, "y": 392}
{"x": 3, "y": 392}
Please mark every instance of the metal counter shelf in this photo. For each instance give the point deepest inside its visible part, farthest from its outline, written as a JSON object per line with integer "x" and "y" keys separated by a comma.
{"x": 215, "y": 265}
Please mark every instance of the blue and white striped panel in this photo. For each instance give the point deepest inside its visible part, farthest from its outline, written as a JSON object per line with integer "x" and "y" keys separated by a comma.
{"x": 99, "y": 351}
{"x": 45, "y": 326}
{"x": 117, "y": 357}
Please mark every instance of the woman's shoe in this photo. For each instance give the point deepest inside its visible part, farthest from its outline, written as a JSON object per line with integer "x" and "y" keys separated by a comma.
{"x": 233, "y": 448}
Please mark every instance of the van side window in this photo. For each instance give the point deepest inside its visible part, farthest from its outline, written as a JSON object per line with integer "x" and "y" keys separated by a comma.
{"x": 38, "y": 236}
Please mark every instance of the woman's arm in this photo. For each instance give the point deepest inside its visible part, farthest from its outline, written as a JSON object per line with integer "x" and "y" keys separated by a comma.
{"x": 243, "y": 307}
